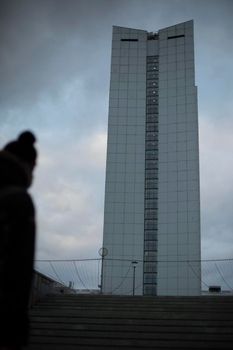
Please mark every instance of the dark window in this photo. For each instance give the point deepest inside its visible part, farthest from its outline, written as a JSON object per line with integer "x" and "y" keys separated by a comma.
{"x": 152, "y": 92}
{"x": 150, "y": 224}
{"x": 151, "y": 156}
{"x": 152, "y": 164}
{"x": 152, "y": 75}
{"x": 152, "y": 59}
{"x": 129, "y": 39}
{"x": 150, "y": 204}
{"x": 150, "y": 256}
{"x": 151, "y": 235}
{"x": 151, "y": 213}
{"x": 151, "y": 194}
{"x": 149, "y": 289}
{"x": 152, "y": 109}
{"x": 151, "y": 127}
{"x": 151, "y": 84}
{"x": 152, "y": 118}
{"x": 151, "y": 136}
{"x": 151, "y": 145}
{"x": 175, "y": 36}
{"x": 152, "y": 100}
{"x": 151, "y": 184}
{"x": 150, "y": 245}
{"x": 150, "y": 267}
{"x": 152, "y": 67}
{"x": 151, "y": 174}
{"x": 150, "y": 277}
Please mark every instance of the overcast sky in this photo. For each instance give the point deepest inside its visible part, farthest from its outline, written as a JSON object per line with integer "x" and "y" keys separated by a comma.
{"x": 55, "y": 70}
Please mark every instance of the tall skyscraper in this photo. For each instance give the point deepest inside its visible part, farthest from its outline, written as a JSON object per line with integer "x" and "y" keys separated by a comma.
{"x": 152, "y": 204}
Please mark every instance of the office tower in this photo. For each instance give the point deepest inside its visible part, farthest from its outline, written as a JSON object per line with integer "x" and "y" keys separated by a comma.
{"x": 152, "y": 205}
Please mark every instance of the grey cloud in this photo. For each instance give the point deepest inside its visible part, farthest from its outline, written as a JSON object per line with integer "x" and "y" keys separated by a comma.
{"x": 55, "y": 64}
{"x": 216, "y": 145}
{"x": 48, "y": 42}
{"x": 70, "y": 205}
{"x": 44, "y": 44}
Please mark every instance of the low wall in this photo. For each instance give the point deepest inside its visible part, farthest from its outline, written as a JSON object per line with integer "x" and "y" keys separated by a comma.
{"x": 43, "y": 285}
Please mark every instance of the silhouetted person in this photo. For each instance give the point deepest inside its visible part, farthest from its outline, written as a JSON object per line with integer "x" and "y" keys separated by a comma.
{"x": 17, "y": 239}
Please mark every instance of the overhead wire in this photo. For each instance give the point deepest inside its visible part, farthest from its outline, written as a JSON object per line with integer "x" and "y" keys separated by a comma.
{"x": 55, "y": 272}
{"x": 197, "y": 275}
{"x": 88, "y": 274}
{"x": 79, "y": 277}
{"x": 219, "y": 271}
{"x": 85, "y": 275}
{"x": 121, "y": 283}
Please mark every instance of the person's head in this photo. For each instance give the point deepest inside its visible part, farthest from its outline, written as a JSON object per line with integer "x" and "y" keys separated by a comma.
{"x": 23, "y": 149}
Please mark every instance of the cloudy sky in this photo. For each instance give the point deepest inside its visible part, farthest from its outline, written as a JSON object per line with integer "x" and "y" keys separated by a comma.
{"x": 55, "y": 69}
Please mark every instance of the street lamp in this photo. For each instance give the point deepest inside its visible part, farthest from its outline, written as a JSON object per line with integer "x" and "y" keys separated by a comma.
{"x": 134, "y": 264}
{"x": 102, "y": 252}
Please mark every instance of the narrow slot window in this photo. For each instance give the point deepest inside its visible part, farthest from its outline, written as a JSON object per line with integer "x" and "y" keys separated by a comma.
{"x": 175, "y": 36}
{"x": 129, "y": 39}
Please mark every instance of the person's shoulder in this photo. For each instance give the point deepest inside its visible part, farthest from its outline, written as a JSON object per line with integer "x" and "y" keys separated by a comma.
{"x": 17, "y": 199}
{"x": 23, "y": 198}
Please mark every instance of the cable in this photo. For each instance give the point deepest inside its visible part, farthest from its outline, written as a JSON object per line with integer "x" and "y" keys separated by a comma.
{"x": 80, "y": 279}
{"x": 70, "y": 276}
{"x": 88, "y": 273}
{"x": 138, "y": 286}
{"x": 97, "y": 259}
{"x": 84, "y": 274}
{"x": 56, "y": 273}
{"x": 222, "y": 277}
{"x": 60, "y": 260}
{"x": 122, "y": 280}
{"x": 62, "y": 271}
{"x": 99, "y": 274}
{"x": 198, "y": 276}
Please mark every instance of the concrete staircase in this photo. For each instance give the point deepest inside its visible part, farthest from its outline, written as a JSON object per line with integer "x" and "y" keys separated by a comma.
{"x": 68, "y": 322}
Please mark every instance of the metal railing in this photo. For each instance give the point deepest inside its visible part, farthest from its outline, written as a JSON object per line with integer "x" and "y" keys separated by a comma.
{"x": 84, "y": 275}
{"x": 78, "y": 274}
{"x": 43, "y": 285}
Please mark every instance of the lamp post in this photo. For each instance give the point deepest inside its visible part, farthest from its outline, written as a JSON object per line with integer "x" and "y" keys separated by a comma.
{"x": 102, "y": 252}
{"x": 134, "y": 264}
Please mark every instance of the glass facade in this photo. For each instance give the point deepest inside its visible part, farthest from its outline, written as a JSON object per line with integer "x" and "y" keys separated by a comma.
{"x": 152, "y": 204}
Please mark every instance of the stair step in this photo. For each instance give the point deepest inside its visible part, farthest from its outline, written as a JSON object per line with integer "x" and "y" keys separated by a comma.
{"x": 134, "y": 343}
{"x": 129, "y": 327}
{"x": 113, "y": 321}
{"x": 124, "y": 334}
{"x": 68, "y": 322}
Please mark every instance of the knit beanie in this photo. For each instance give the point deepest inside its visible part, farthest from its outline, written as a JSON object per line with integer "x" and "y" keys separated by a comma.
{"x": 23, "y": 148}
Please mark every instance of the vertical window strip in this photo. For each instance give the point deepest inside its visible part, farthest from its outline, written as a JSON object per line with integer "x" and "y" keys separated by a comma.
{"x": 151, "y": 172}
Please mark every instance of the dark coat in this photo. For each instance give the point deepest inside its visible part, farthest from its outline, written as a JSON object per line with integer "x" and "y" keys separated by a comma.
{"x": 17, "y": 241}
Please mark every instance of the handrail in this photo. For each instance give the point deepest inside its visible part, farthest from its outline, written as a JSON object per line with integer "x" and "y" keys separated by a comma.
{"x": 43, "y": 285}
